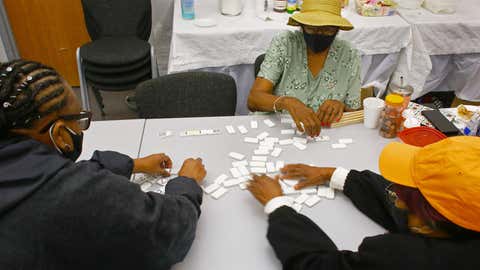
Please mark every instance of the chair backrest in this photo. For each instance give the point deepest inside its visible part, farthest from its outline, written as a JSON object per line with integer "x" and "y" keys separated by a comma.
{"x": 258, "y": 63}
{"x": 109, "y": 18}
{"x": 188, "y": 94}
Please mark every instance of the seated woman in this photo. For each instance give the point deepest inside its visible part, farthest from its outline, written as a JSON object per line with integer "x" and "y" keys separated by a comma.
{"x": 432, "y": 215}
{"x": 58, "y": 214}
{"x": 311, "y": 74}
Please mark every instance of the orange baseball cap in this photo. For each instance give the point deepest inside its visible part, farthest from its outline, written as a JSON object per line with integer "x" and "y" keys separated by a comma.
{"x": 447, "y": 173}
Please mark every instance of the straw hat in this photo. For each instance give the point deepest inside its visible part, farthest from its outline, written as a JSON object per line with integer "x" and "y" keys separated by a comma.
{"x": 321, "y": 13}
{"x": 447, "y": 173}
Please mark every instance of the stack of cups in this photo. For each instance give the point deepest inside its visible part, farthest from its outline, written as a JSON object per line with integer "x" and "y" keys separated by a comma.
{"x": 372, "y": 109}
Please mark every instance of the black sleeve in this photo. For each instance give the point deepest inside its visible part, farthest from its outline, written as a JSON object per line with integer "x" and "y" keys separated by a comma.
{"x": 113, "y": 161}
{"x": 113, "y": 224}
{"x": 367, "y": 192}
{"x": 301, "y": 245}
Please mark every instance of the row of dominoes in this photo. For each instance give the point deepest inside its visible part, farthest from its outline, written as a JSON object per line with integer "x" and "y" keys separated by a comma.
{"x": 253, "y": 125}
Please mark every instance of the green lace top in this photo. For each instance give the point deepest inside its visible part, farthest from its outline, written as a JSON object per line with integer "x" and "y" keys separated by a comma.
{"x": 286, "y": 66}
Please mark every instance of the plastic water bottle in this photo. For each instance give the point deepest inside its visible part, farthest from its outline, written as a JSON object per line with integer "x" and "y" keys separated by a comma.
{"x": 188, "y": 9}
{"x": 291, "y": 6}
{"x": 299, "y": 4}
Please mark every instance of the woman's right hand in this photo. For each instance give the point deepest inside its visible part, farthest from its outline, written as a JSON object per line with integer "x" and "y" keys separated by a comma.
{"x": 305, "y": 118}
{"x": 308, "y": 175}
{"x": 193, "y": 169}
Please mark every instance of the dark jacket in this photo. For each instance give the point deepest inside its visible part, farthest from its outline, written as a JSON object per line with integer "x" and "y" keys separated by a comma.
{"x": 300, "y": 244}
{"x": 56, "y": 214}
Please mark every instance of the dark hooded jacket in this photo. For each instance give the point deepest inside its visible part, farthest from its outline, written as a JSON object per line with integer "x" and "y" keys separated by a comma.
{"x": 57, "y": 214}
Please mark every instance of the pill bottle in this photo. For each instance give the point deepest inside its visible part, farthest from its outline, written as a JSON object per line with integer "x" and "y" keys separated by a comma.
{"x": 392, "y": 120}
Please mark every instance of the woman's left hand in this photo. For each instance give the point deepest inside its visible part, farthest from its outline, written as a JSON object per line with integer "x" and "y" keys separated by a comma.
{"x": 330, "y": 111}
{"x": 153, "y": 165}
{"x": 264, "y": 188}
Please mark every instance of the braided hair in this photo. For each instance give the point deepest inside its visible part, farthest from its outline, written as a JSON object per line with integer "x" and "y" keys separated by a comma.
{"x": 28, "y": 92}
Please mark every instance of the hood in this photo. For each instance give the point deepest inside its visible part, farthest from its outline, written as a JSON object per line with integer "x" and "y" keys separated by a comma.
{"x": 25, "y": 164}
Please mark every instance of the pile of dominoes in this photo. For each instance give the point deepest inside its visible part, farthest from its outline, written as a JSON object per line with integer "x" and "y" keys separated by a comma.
{"x": 263, "y": 160}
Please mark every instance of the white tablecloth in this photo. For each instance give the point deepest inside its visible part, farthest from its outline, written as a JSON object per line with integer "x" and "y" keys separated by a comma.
{"x": 448, "y": 34}
{"x": 240, "y": 39}
{"x": 232, "y": 46}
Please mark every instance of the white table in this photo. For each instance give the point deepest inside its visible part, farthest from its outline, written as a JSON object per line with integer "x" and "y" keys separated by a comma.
{"x": 231, "y": 231}
{"x": 444, "y": 53}
{"x": 123, "y": 136}
{"x": 234, "y": 43}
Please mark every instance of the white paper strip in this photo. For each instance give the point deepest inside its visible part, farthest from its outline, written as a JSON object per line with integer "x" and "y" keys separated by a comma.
{"x": 253, "y": 124}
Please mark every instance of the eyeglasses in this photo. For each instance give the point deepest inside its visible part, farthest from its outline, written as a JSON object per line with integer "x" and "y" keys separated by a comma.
{"x": 392, "y": 197}
{"x": 84, "y": 118}
{"x": 322, "y": 30}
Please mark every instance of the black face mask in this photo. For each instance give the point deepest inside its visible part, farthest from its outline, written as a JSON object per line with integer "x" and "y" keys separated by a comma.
{"x": 77, "y": 140}
{"x": 318, "y": 43}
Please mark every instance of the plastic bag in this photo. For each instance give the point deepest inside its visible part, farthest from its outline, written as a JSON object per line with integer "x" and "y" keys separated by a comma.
{"x": 410, "y": 4}
{"x": 441, "y": 6}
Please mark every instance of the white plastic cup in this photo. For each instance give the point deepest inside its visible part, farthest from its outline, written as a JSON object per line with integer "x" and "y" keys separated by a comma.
{"x": 372, "y": 109}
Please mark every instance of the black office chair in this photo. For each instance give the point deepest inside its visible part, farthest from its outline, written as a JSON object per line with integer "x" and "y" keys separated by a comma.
{"x": 258, "y": 63}
{"x": 188, "y": 94}
{"x": 119, "y": 56}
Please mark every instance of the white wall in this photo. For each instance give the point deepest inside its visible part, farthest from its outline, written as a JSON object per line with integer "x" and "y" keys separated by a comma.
{"x": 162, "y": 17}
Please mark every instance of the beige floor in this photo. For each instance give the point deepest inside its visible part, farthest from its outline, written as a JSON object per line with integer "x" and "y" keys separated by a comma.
{"x": 115, "y": 107}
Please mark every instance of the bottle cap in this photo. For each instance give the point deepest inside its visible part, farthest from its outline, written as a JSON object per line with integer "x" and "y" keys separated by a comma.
{"x": 394, "y": 99}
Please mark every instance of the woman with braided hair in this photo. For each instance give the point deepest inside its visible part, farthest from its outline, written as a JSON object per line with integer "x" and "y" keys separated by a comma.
{"x": 58, "y": 214}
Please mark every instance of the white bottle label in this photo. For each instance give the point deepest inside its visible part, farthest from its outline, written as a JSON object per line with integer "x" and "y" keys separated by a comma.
{"x": 280, "y": 4}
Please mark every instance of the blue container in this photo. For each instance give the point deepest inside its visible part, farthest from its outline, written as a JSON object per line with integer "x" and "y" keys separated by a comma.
{"x": 188, "y": 9}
